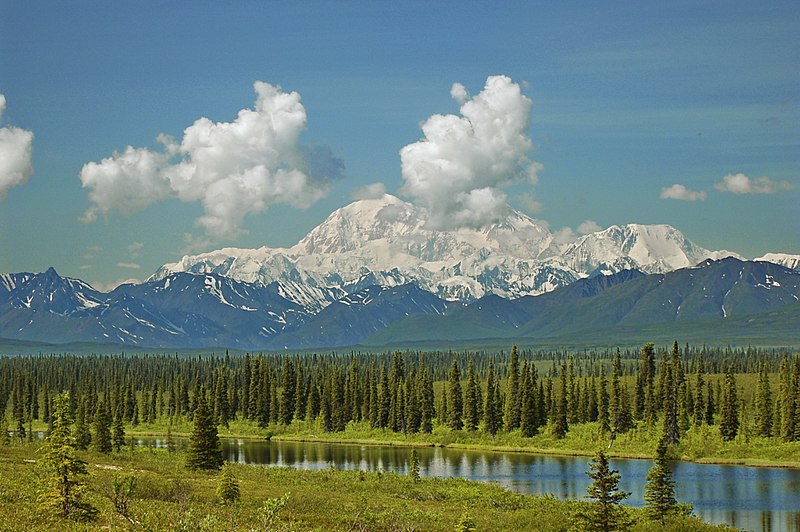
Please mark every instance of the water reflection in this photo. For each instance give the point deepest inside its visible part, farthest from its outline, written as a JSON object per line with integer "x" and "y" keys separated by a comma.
{"x": 761, "y": 499}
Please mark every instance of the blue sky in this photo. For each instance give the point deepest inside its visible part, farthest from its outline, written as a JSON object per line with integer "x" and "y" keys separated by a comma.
{"x": 628, "y": 99}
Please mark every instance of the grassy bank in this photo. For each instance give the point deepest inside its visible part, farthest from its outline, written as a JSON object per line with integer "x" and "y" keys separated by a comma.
{"x": 166, "y": 496}
{"x": 703, "y": 445}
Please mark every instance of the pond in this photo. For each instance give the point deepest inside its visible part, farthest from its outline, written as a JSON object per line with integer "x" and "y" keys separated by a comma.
{"x": 752, "y": 498}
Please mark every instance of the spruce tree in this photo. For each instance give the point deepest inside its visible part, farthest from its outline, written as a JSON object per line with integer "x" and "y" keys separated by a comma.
{"x": 490, "y": 414}
{"x": 605, "y": 512}
{"x": 603, "y": 403}
{"x": 101, "y": 438}
{"x": 560, "y": 425}
{"x": 513, "y": 410}
{"x": 659, "y": 490}
{"x": 529, "y": 416}
{"x": 413, "y": 466}
{"x": 699, "y": 402}
{"x": 455, "y": 398}
{"x": 670, "y": 434}
{"x": 118, "y": 432}
{"x": 763, "y": 403}
{"x": 228, "y": 487}
{"x": 204, "y": 450}
{"x": 65, "y": 471}
{"x": 729, "y": 407}
{"x": 471, "y": 408}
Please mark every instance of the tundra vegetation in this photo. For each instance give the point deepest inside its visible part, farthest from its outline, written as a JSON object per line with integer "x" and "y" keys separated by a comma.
{"x": 735, "y": 405}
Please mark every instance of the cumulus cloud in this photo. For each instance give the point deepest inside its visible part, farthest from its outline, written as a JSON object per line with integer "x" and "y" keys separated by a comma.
{"x": 129, "y": 265}
{"x": 232, "y": 168}
{"x": 565, "y": 235}
{"x": 367, "y": 192}
{"x": 15, "y": 154}
{"x": 680, "y": 192}
{"x": 589, "y": 226}
{"x": 741, "y": 184}
{"x": 458, "y": 170}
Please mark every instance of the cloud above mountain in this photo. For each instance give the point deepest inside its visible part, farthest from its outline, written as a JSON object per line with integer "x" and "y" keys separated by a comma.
{"x": 15, "y": 154}
{"x": 742, "y": 184}
{"x": 682, "y": 193}
{"x": 232, "y": 168}
{"x": 460, "y": 167}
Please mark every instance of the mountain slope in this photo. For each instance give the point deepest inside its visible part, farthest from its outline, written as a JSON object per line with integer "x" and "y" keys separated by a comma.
{"x": 711, "y": 292}
{"x": 388, "y": 239}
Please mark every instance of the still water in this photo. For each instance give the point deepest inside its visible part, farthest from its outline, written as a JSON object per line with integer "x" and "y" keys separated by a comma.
{"x": 751, "y": 498}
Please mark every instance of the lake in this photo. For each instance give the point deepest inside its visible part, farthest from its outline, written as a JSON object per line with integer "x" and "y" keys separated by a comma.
{"x": 752, "y": 498}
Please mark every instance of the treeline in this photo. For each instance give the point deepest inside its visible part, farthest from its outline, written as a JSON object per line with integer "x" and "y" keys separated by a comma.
{"x": 413, "y": 392}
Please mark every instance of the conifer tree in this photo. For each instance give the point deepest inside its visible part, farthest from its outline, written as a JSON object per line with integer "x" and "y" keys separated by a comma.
{"x": 699, "y": 402}
{"x": 490, "y": 414}
{"x": 513, "y": 410}
{"x": 228, "y": 487}
{"x": 118, "y": 432}
{"x": 529, "y": 417}
{"x": 670, "y": 434}
{"x": 604, "y": 513}
{"x": 101, "y": 438}
{"x": 288, "y": 381}
{"x": 64, "y": 470}
{"x": 729, "y": 407}
{"x": 659, "y": 491}
{"x": 471, "y": 408}
{"x": 83, "y": 437}
{"x": 602, "y": 403}
{"x": 763, "y": 403}
{"x": 455, "y": 398}
{"x": 560, "y": 425}
{"x": 204, "y": 450}
{"x": 413, "y": 466}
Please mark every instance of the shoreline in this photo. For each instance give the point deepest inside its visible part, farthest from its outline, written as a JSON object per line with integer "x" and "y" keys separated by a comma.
{"x": 742, "y": 462}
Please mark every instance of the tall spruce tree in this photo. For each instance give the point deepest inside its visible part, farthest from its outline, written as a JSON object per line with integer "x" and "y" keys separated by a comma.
{"x": 471, "y": 407}
{"x": 659, "y": 490}
{"x": 603, "y": 403}
{"x": 101, "y": 438}
{"x": 604, "y": 512}
{"x": 763, "y": 403}
{"x": 65, "y": 472}
{"x": 560, "y": 425}
{"x": 491, "y": 418}
{"x": 513, "y": 410}
{"x": 455, "y": 398}
{"x": 729, "y": 407}
{"x": 205, "y": 451}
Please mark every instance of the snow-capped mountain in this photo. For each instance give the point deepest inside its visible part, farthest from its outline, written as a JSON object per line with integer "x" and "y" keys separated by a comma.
{"x": 386, "y": 242}
{"x": 784, "y": 259}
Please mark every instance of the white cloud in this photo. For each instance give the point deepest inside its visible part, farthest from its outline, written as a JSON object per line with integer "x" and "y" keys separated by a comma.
{"x": 129, "y": 265}
{"x": 680, "y": 192}
{"x": 589, "y": 226}
{"x": 371, "y": 191}
{"x": 565, "y": 235}
{"x": 15, "y": 154}
{"x": 135, "y": 248}
{"x": 459, "y": 169}
{"x": 111, "y": 285}
{"x": 232, "y": 168}
{"x": 741, "y": 184}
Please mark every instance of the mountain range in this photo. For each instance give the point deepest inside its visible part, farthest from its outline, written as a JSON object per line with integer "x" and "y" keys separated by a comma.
{"x": 373, "y": 273}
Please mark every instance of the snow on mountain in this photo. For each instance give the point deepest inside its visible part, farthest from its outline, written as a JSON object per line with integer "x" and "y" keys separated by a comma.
{"x": 386, "y": 241}
{"x": 650, "y": 248}
{"x": 784, "y": 259}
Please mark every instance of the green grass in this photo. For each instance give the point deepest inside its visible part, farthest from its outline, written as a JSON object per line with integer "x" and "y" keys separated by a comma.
{"x": 169, "y": 497}
{"x": 702, "y": 444}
